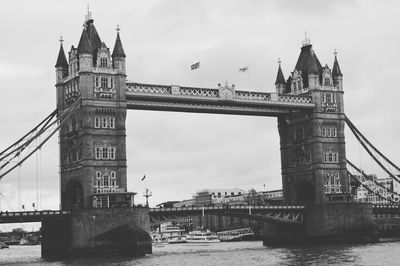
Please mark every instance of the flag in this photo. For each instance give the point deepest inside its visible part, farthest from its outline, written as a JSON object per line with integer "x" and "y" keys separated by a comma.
{"x": 195, "y": 66}
{"x": 243, "y": 69}
{"x": 143, "y": 177}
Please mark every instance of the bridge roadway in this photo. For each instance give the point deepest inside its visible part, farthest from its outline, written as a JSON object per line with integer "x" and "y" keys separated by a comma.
{"x": 273, "y": 213}
{"x": 221, "y": 100}
{"x": 283, "y": 213}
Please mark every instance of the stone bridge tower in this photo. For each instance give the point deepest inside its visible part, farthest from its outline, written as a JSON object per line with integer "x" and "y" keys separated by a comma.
{"x": 92, "y": 141}
{"x": 313, "y": 156}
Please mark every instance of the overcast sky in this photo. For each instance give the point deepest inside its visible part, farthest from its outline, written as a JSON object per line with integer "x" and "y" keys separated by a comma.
{"x": 181, "y": 153}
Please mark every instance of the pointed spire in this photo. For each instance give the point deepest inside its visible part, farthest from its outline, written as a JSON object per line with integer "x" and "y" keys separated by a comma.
{"x": 61, "y": 59}
{"x": 280, "y": 79}
{"x": 84, "y": 46}
{"x": 313, "y": 67}
{"x": 118, "y": 49}
{"x": 336, "y": 69}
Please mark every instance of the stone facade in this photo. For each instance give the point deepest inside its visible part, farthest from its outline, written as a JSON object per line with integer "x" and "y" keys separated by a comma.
{"x": 313, "y": 155}
{"x": 92, "y": 139}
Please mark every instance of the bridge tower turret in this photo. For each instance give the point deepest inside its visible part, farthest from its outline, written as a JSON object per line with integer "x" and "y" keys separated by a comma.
{"x": 337, "y": 74}
{"x": 280, "y": 83}
{"x": 92, "y": 143}
{"x": 61, "y": 64}
{"x": 313, "y": 155}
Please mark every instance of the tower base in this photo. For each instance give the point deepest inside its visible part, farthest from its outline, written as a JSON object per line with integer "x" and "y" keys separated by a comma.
{"x": 98, "y": 232}
{"x": 326, "y": 224}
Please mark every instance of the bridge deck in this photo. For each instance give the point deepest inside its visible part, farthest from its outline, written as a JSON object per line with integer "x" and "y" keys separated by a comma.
{"x": 30, "y": 216}
{"x": 222, "y": 100}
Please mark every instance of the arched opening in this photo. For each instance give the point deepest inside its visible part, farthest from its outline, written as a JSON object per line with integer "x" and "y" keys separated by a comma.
{"x": 305, "y": 193}
{"x": 73, "y": 198}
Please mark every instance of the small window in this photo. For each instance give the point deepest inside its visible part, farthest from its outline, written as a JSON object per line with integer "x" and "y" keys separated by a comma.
{"x": 106, "y": 180}
{"x": 105, "y": 153}
{"x": 97, "y": 82}
{"x": 111, "y": 122}
{"x": 104, "y": 82}
{"x": 103, "y": 62}
{"x": 111, "y": 153}
{"x": 96, "y": 122}
{"x": 104, "y": 122}
{"x": 98, "y": 175}
{"x": 98, "y": 153}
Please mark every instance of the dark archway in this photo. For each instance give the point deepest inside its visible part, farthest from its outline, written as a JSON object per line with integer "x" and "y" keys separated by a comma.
{"x": 305, "y": 193}
{"x": 73, "y": 197}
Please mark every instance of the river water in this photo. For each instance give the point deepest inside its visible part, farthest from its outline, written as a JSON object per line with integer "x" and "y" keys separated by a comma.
{"x": 228, "y": 253}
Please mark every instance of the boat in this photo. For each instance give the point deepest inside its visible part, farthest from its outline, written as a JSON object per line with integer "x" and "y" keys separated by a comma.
{"x": 3, "y": 245}
{"x": 200, "y": 236}
{"x": 170, "y": 234}
{"x": 236, "y": 235}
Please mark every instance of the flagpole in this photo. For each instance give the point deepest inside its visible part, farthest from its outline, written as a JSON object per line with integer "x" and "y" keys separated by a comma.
{"x": 200, "y": 76}
{"x": 248, "y": 78}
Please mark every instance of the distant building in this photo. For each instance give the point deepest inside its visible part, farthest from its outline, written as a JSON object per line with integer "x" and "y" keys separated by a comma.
{"x": 217, "y": 196}
{"x": 222, "y": 193}
{"x": 167, "y": 204}
{"x": 364, "y": 195}
{"x": 203, "y": 198}
{"x": 273, "y": 195}
{"x": 184, "y": 203}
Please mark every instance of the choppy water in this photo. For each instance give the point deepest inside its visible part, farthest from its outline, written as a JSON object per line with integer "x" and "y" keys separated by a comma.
{"x": 233, "y": 253}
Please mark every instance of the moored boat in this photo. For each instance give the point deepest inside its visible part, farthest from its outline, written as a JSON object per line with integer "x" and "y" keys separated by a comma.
{"x": 199, "y": 236}
{"x": 170, "y": 234}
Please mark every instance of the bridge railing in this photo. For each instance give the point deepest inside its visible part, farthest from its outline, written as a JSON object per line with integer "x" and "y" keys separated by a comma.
{"x": 139, "y": 89}
{"x": 33, "y": 213}
{"x": 239, "y": 207}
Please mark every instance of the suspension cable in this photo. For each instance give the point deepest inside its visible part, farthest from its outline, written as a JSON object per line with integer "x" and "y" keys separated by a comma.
{"x": 58, "y": 122}
{"x": 366, "y": 144}
{"x": 372, "y": 185}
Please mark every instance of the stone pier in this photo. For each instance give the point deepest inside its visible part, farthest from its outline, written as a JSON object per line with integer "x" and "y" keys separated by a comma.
{"x": 104, "y": 232}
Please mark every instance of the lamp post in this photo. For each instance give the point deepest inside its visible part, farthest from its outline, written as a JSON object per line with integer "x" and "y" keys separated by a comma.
{"x": 147, "y": 194}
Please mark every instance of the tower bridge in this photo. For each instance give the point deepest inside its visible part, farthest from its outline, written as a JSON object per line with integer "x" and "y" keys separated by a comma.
{"x": 93, "y": 97}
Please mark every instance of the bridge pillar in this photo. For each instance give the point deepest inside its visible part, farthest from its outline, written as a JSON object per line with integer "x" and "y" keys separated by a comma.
{"x": 344, "y": 222}
{"x": 56, "y": 237}
{"x": 313, "y": 158}
{"x": 112, "y": 231}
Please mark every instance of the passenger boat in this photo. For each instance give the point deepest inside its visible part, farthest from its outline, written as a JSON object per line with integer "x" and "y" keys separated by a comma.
{"x": 199, "y": 236}
{"x": 170, "y": 234}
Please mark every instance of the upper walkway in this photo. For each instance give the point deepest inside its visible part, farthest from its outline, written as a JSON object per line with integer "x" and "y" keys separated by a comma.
{"x": 222, "y": 100}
